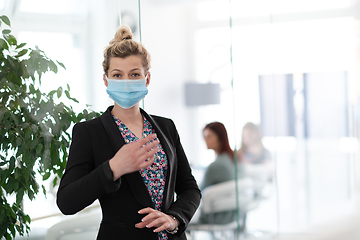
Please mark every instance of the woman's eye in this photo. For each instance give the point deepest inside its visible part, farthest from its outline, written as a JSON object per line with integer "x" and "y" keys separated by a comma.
{"x": 136, "y": 75}
{"x": 116, "y": 75}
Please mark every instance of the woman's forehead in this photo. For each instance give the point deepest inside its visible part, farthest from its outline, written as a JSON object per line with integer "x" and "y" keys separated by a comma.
{"x": 127, "y": 63}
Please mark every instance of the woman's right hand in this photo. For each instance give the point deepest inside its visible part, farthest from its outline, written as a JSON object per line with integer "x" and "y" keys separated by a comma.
{"x": 131, "y": 157}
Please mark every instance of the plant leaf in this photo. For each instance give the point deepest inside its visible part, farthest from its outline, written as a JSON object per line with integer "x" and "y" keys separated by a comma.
{"x": 67, "y": 94}
{"x": 18, "y": 141}
{"x": 61, "y": 64}
{"x": 3, "y": 44}
{"x": 46, "y": 176}
{"x": 51, "y": 93}
{"x": 12, "y": 163}
{"x": 20, "y": 45}
{"x": 5, "y": 19}
{"x": 20, "y": 195}
{"x": 11, "y": 40}
{"x": 2, "y": 112}
{"x": 22, "y": 53}
{"x": 6, "y": 31}
{"x": 39, "y": 147}
{"x": 53, "y": 67}
{"x": 59, "y": 92}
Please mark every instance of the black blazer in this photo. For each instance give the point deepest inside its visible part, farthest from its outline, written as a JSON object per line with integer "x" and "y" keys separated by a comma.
{"x": 88, "y": 177}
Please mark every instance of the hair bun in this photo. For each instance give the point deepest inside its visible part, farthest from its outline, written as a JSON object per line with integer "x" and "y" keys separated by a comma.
{"x": 123, "y": 33}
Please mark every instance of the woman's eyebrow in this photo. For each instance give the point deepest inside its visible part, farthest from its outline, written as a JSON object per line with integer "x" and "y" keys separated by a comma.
{"x": 115, "y": 69}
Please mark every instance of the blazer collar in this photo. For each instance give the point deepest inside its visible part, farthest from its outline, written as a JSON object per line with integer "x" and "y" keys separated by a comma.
{"x": 172, "y": 165}
{"x": 165, "y": 143}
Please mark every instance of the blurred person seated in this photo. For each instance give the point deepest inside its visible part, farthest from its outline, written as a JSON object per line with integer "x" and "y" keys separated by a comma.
{"x": 220, "y": 170}
{"x": 252, "y": 151}
{"x": 253, "y": 158}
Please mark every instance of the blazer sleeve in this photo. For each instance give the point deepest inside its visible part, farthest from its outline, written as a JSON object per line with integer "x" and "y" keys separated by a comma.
{"x": 188, "y": 194}
{"x": 83, "y": 182}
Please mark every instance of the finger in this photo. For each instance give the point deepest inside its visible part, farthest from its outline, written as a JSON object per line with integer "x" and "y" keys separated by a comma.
{"x": 145, "y": 163}
{"x": 163, "y": 227}
{"x": 148, "y": 146}
{"x": 145, "y": 140}
{"x": 140, "y": 225}
{"x": 146, "y": 210}
{"x": 159, "y": 222}
{"x": 146, "y": 223}
{"x": 151, "y": 217}
{"x": 148, "y": 151}
{"x": 143, "y": 223}
{"x": 155, "y": 222}
{"x": 143, "y": 155}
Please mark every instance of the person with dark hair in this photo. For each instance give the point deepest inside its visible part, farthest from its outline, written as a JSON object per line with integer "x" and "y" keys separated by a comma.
{"x": 221, "y": 170}
{"x": 132, "y": 162}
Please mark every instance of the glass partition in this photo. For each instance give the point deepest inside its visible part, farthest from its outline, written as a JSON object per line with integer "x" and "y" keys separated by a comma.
{"x": 292, "y": 73}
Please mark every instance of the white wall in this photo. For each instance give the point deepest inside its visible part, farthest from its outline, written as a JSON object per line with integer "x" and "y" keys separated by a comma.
{"x": 167, "y": 34}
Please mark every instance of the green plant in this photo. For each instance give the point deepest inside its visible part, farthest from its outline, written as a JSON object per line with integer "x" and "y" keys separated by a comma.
{"x": 33, "y": 128}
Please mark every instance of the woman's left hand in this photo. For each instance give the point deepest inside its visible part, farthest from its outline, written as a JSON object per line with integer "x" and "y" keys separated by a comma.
{"x": 157, "y": 219}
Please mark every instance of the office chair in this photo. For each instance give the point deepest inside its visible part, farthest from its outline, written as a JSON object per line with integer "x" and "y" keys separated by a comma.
{"x": 222, "y": 197}
{"x": 262, "y": 178}
{"x": 82, "y": 226}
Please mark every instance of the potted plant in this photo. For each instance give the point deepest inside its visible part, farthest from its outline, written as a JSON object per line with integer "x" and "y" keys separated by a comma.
{"x": 34, "y": 128}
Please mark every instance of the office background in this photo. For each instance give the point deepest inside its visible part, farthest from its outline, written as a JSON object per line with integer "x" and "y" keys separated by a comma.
{"x": 293, "y": 67}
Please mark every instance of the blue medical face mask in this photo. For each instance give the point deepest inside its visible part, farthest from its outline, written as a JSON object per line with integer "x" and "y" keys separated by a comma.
{"x": 126, "y": 92}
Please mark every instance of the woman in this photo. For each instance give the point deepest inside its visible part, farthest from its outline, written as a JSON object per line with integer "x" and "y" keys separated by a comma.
{"x": 132, "y": 162}
{"x": 221, "y": 170}
{"x": 252, "y": 150}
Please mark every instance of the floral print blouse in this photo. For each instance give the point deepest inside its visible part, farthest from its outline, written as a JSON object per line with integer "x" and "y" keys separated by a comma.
{"x": 154, "y": 176}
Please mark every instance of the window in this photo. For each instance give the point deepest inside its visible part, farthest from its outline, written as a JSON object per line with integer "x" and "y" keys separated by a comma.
{"x": 51, "y": 7}
{"x": 69, "y": 53}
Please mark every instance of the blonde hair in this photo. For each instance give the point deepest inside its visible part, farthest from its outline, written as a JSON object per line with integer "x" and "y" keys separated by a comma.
{"x": 122, "y": 46}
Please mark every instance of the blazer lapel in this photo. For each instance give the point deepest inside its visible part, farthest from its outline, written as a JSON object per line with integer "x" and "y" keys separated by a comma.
{"x": 172, "y": 166}
{"x": 135, "y": 180}
{"x": 112, "y": 130}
